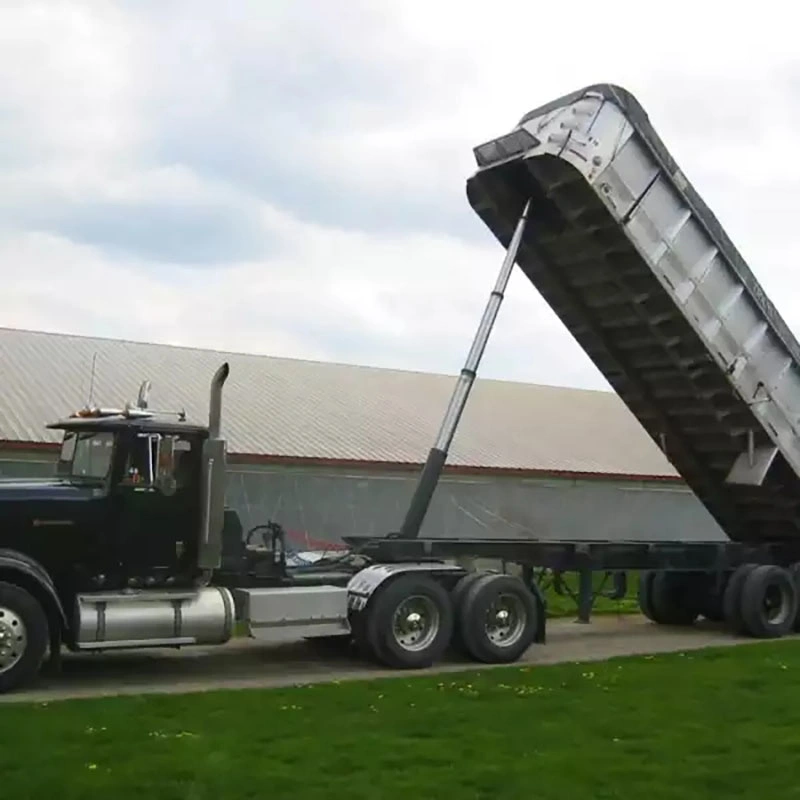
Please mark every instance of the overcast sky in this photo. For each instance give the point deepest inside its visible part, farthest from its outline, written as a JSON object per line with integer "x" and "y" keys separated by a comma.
{"x": 288, "y": 177}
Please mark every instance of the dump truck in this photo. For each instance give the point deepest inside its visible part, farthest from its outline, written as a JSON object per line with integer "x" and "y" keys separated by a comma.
{"x": 131, "y": 545}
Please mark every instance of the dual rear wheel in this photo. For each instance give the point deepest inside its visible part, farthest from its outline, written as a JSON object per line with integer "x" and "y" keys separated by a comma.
{"x": 756, "y": 600}
{"x": 413, "y": 620}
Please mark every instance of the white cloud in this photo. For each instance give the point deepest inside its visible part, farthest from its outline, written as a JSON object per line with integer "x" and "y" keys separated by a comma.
{"x": 318, "y": 158}
{"x": 68, "y": 90}
{"x": 331, "y": 292}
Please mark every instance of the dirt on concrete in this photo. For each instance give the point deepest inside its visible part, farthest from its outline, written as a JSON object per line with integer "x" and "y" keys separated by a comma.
{"x": 246, "y": 663}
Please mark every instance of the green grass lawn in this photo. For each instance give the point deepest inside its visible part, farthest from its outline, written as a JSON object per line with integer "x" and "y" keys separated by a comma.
{"x": 714, "y": 724}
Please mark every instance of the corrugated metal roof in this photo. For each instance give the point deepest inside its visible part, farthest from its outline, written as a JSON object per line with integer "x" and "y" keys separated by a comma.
{"x": 293, "y": 408}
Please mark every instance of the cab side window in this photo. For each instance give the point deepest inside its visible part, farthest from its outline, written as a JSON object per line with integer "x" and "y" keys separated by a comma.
{"x": 160, "y": 461}
{"x": 140, "y": 464}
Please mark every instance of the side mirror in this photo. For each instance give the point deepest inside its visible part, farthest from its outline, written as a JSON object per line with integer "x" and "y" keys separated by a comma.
{"x": 165, "y": 466}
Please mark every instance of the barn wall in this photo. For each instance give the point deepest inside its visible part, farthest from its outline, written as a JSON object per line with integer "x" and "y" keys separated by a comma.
{"x": 325, "y": 503}
{"x": 25, "y": 464}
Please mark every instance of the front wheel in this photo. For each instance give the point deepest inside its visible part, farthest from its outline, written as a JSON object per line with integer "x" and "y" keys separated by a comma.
{"x": 23, "y": 637}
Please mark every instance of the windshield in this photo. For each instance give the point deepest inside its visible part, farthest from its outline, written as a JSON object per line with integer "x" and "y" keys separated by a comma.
{"x": 86, "y": 455}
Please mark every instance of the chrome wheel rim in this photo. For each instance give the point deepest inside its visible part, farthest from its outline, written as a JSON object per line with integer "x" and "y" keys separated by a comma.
{"x": 505, "y": 620}
{"x": 13, "y": 639}
{"x": 415, "y": 623}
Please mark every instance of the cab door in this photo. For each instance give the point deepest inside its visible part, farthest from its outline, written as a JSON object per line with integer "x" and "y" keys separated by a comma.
{"x": 157, "y": 506}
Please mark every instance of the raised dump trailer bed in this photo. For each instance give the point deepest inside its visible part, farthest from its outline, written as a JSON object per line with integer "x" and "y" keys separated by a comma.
{"x": 640, "y": 271}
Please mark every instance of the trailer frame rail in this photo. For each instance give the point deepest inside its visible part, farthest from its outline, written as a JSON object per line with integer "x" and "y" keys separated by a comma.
{"x": 576, "y": 556}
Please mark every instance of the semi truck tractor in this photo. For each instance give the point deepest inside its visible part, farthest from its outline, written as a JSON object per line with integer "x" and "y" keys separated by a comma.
{"x": 130, "y": 544}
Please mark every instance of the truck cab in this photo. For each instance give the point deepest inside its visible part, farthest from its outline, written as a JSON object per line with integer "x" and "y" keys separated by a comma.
{"x": 118, "y": 548}
{"x": 129, "y": 512}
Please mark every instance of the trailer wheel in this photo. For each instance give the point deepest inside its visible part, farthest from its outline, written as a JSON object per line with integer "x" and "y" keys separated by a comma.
{"x": 410, "y": 622}
{"x": 673, "y": 598}
{"x": 646, "y": 594}
{"x": 712, "y": 600}
{"x": 794, "y": 571}
{"x": 499, "y": 619}
{"x": 768, "y": 602}
{"x": 732, "y": 598}
{"x": 24, "y": 636}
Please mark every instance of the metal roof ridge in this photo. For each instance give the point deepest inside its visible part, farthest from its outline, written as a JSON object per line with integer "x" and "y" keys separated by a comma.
{"x": 294, "y": 359}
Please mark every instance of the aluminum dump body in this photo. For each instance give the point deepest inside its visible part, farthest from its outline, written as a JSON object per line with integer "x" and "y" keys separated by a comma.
{"x": 640, "y": 271}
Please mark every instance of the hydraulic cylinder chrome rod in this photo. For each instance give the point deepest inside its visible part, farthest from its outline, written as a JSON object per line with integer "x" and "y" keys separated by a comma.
{"x": 429, "y": 478}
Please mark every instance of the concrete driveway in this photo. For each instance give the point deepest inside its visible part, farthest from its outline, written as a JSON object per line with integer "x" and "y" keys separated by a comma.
{"x": 248, "y": 664}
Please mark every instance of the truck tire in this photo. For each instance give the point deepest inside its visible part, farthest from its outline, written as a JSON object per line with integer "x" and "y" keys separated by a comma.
{"x": 457, "y": 595}
{"x": 498, "y": 620}
{"x": 711, "y": 604}
{"x": 646, "y": 594}
{"x": 24, "y": 636}
{"x": 673, "y": 598}
{"x": 410, "y": 622}
{"x": 794, "y": 571}
{"x": 732, "y": 598}
{"x": 768, "y": 602}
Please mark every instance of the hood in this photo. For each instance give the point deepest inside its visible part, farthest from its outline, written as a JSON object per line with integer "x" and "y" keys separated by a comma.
{"x": 45, "y": 489}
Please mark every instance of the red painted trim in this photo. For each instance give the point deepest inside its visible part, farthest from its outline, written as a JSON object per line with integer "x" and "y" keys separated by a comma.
{"x": 8, "y": 444}
{"x": 389, "y": 466}
{"x": 302, "y": 541}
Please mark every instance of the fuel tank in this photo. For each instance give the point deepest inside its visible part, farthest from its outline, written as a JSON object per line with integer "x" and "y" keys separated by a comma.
{"x": 154, "y": 618}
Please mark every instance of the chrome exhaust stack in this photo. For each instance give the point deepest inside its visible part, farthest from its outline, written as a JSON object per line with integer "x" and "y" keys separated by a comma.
{"x": 215, "y": 401}
{"x": 209, "y": 549}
